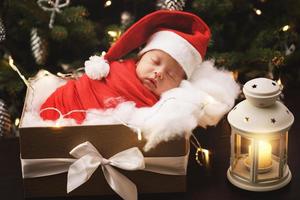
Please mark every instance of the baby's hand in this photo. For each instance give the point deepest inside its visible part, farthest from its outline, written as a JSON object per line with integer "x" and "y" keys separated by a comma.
{"x": 96, "y": 67}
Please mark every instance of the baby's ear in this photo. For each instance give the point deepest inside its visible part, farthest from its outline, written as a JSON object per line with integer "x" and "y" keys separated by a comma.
{"x": 96, "y": 67}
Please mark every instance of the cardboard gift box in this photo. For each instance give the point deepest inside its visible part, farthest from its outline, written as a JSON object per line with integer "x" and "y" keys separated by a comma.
{"x": 47, "y": 162}
{"x": 50, "y": 142}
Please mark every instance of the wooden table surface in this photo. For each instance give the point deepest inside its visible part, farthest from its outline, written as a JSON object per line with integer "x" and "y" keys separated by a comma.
{"x": 202, "y": 182}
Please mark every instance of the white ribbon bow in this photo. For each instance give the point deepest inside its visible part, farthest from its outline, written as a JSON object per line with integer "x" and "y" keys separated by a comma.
{"x": 89, "y": 160}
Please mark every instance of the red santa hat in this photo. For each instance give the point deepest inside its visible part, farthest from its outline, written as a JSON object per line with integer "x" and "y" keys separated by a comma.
{"x": 182, "y": 35}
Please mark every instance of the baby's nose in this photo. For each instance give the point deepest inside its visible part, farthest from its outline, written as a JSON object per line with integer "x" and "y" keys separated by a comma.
{"x": 158, "y": 75}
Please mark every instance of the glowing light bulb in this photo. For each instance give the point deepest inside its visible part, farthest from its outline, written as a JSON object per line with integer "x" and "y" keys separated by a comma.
{"x": 235, "y": 75}
{"x": 279, "y": 83}
{"x": 112, "y": 33}
{"x": 285, "y": 28}
{"x": 17, "y": 121}
{"x": 107, "y": 3}
{"x": 257, "y": 11}
{"x": 202, "y": 156}
{"x": 57, "y": 123}
{"x": 206, "y": 155}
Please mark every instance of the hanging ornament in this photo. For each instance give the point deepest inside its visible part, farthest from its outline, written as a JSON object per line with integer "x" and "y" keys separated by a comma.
{"x": 170, "y": 4}
{"x": 2, "y": 31}
{"x": 289, "y": 50}
{"x": 5, "y": 122}
{"x": 126, "y": 18}
{"x": 38, "y": 47}
{"x": 52, "y": 6}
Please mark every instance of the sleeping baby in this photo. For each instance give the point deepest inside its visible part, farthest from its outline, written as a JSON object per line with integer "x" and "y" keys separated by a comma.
{"x": 175, "y": 45}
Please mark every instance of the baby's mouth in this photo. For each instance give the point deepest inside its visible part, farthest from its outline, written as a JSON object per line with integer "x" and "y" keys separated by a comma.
{"x": 151, "y": 83}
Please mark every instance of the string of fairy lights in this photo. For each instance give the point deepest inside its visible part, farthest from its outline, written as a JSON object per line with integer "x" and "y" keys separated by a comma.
{"x": 259, "y": 12}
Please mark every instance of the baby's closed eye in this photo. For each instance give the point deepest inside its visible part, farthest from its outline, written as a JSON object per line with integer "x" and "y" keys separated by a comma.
{"x": 155, "y": 60}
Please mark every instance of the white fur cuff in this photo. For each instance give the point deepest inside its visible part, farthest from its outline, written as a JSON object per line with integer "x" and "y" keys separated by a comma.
{"x": 96, "y": 67}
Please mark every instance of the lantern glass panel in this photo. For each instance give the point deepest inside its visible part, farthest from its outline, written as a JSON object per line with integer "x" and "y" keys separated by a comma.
{"x": 285, "y": 148}
{"x": 239, "y": 154}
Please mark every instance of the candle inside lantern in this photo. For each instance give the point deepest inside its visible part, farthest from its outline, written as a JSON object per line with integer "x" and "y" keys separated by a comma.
{"x": 264, "y": 155}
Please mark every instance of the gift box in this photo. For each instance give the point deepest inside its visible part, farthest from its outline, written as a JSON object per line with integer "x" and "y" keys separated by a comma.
{"x": 91, "y": 160}
{"x": 47, "y": 142}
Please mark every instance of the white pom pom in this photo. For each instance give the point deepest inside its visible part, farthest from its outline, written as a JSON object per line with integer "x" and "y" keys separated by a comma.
{"x": 96, "y": 67}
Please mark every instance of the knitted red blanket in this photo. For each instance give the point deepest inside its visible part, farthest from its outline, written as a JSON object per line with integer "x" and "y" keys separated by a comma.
{"x": 122, "y": 84}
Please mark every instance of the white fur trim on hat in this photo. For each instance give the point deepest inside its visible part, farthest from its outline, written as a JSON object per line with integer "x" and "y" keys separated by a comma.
{"x": 177, "y": 47}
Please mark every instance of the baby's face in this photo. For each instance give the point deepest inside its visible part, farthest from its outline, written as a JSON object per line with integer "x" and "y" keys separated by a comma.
{"x": 159, "y": 72}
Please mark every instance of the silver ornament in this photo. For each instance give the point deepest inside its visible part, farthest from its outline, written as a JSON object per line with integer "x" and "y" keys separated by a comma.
{"x": 38, "y": 47}
{"x": 170, "y": 4}
{"x": 5, "y": 122}
{"x": 2, "y": 31}
{"x": 289, "y": 50}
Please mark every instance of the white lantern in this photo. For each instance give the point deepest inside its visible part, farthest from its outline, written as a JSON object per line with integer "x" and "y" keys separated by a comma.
{"x": 259, "y": 138}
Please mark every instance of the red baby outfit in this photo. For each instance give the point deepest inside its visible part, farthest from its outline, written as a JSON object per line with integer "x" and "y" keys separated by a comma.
{"x": 121, "y": 84}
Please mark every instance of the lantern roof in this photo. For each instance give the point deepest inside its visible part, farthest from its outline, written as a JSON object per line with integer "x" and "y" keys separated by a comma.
{"x": 261, "y": 87}
{"x": 261, "y": 112}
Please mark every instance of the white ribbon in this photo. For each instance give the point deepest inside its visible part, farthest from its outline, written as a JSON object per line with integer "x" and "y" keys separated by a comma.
{"x": 167, "y": 165}
{"x": 54, "y": 7}
{"x": 88, "y": 159}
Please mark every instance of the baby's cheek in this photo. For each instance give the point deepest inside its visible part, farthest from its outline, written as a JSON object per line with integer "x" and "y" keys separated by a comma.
{"x": 138, "y": 73}
{"x": 142, "y": 72}
{"x": 167, "y": 85}
{"x": 173, "y": 84}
